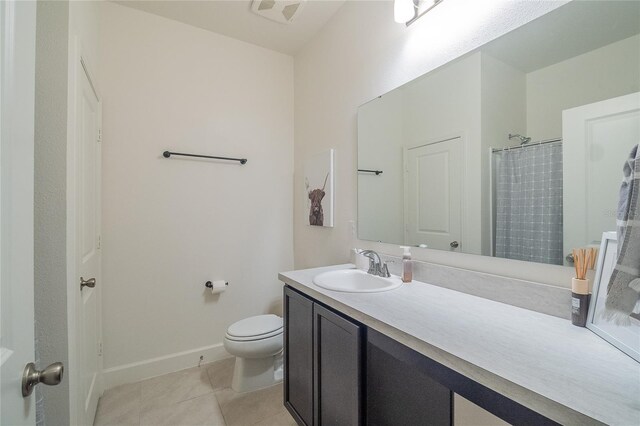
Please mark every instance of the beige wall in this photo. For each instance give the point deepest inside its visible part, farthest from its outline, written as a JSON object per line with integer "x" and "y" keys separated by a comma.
{"x": 604, "y": 73}
{"x": 381, "y": 130}
{"x": 443, "y": 104}
{"x": 376, "y": 55}
{"x": 172, "y": 224}
{"x": 503, "y": 111}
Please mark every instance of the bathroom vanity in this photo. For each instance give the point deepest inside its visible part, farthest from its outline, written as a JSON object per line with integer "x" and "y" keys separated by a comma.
{"x": 399, "y": 357}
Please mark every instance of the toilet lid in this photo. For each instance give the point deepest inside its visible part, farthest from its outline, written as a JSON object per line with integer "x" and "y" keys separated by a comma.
{"x": 256, "y": 326}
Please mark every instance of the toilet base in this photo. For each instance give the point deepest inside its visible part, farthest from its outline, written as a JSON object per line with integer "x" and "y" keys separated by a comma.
{"x": 255, "y": 373}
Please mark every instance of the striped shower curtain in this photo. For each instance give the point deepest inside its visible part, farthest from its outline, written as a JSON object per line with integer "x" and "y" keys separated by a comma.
{"x": 529, "y": 203}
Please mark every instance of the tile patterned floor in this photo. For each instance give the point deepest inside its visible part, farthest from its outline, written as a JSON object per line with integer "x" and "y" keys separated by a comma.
{"x": 193, "y": 397}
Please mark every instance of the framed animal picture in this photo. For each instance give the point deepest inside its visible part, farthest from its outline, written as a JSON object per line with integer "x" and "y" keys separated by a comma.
{"x": 318, "y": 185}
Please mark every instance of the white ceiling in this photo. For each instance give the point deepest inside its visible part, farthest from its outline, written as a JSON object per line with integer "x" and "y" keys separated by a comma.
{"x": 571, "y": 30}
{"x": 234, "y": 18}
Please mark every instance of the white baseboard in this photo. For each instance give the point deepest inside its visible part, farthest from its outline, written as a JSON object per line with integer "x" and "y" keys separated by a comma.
{"x": 153, "y": 367}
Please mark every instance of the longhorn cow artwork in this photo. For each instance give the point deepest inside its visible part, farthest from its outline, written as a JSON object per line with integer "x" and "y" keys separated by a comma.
{"x": 316, "y": 214}
{"x": 319, "y": 170}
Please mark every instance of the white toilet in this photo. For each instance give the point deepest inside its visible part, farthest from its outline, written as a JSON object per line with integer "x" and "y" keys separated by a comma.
{"x": 256, "y": 342}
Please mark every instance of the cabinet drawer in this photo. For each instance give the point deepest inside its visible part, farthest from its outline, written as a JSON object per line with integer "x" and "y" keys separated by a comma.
{"x": 399, "y": 394}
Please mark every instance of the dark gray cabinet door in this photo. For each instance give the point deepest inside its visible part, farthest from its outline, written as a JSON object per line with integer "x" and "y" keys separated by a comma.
{"x": 400, "y": 394}
{"x": 298, "y": 356}
{"x": 338, "y": 369}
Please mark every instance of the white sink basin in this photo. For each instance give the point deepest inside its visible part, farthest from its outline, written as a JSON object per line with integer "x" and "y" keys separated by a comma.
{"x": 355, "y": 281}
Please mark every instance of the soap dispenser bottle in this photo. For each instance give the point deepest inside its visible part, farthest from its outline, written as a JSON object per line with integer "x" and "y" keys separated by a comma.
{"x": 407, "y": 267}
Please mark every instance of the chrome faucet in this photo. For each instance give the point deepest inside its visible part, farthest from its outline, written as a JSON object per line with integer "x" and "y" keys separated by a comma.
{"x": 376, "y": 265}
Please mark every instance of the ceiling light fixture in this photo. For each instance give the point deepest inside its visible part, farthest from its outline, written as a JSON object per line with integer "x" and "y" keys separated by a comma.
{"x": 408, "y": 11}
{"x": 404, "y": 11}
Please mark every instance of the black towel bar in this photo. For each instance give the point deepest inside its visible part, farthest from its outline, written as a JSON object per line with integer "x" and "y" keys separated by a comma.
{"x": 168, "y": 154}
{"x": 377, "y": 172}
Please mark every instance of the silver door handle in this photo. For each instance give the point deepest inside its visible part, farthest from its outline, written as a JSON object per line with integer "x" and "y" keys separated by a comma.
{"x": 454, "y": 244}
{"x": 569, "y": 258}
{"x": 51, "y": 376}
{"x": 91, "y": 283}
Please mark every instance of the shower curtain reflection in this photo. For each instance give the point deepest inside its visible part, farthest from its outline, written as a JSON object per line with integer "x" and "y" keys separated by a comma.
{"x": 528, "y": 203}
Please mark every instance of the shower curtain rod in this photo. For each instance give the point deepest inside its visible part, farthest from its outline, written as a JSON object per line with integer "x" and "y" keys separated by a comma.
{"x": 509, "y": 148}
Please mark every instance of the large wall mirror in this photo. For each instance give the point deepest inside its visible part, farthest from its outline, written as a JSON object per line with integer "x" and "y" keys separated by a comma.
{"x": 514, "y": 150}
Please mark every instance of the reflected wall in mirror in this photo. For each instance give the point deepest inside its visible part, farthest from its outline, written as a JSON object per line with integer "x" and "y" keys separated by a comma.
{"x": 513, "y": 150}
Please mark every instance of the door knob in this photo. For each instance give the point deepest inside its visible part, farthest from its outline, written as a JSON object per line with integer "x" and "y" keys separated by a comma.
{"x": 51, "y": 376}
{"x": 569, "y": 258}
{"x": 454, "y": 244}
{"x": 91, "y": 283}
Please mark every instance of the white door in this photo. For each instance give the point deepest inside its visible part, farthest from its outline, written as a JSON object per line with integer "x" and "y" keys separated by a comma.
{"x": 17, "y": 73}
{"x": 433, "y": 195}
{"x": 597, "y": 140}
{"x": 88, "y": 113}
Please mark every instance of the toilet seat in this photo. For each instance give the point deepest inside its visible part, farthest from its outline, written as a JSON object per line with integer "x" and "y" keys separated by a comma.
{"x": 253, "y": 338}
{"x": 255, "y": 328}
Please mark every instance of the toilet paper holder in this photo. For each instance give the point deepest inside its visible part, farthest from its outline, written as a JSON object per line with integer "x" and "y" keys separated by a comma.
{"x": 209, "y": 284}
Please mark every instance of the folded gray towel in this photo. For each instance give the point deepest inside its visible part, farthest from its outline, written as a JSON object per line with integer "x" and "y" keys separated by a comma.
{"x": 623, "y": 291}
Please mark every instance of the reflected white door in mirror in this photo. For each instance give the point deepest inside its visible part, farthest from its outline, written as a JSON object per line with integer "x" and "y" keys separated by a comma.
{"x": 596, "y": 137}
{"x": 433, "y": 213}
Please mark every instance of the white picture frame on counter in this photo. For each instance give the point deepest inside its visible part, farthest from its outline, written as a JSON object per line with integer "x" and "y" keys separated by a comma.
{"x": 624, "y": 337}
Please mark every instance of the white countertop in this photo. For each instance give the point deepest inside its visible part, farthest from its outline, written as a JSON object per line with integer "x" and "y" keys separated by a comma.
{"x": 545, "y": 363}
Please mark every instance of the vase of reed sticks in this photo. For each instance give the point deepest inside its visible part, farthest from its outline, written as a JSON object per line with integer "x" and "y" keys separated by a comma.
{"x": 583, "y": 260}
